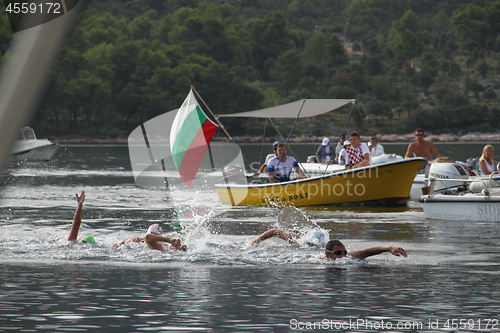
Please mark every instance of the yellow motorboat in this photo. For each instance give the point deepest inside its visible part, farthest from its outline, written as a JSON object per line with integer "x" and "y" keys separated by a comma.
{"x": 386, "y": 183}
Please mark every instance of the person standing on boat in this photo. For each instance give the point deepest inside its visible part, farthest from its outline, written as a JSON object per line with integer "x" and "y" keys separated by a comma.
{"x": 324, "y": 152}
{"x": 358, "y": 153}
{"x": 152, "y": 239}
{"x": 334, "y": 249}
{"x": 376, "y": 148}
{"x": 421, "y": 147}
{"x": 487, "y": 163}
{"x": 281, "y": 166}
{"x": 263, "y": 167}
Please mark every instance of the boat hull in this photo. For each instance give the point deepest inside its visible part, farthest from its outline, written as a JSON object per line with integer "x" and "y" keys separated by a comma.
{"x": 42, "y": 152}
{"x": 469, "y": 207}
{"x": 387, "y": 183}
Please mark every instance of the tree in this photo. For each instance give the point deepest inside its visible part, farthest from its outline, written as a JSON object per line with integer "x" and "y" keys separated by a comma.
{"x": 380, "y": 87}
{"x": 337, "y": 56}
{"x": 301, "y": 7}
{"x": 472, "y": 26}
{"x": 483, "y": 68}
{"x": 407, "y": 44}
{"x": 489, "y": 94}
{"x": 342, "y": 92}
{"x": 288, "y": 70}
{"x": 269, "y": 38}
{"x": 381, "y": 110}
{"x": 316, "y": 50}
{"x": 371, "y": 13}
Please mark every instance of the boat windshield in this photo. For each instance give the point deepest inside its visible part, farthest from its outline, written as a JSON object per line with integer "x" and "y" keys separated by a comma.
{"x": 28, "y": 134}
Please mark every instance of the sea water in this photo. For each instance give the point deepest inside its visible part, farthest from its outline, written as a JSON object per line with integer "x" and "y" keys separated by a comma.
{"x": 449, "y": 282}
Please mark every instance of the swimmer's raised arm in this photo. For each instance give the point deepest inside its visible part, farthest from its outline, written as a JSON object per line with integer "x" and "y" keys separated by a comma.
{"x": 77, "y": 218}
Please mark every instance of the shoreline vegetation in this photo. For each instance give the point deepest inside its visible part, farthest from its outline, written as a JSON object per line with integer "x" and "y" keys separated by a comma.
{"x": 408, "y": 64}
{"x": 392, "y": 138}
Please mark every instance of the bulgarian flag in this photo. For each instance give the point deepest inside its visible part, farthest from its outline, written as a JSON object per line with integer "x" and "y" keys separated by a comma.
{"x": 190, "y": 136}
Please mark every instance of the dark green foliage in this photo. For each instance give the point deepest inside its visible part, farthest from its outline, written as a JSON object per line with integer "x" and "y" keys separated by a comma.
{"x": 430, "y": 64}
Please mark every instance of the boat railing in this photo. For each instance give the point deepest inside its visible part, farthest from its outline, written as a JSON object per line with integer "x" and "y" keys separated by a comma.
{"x": 483, "y": 184}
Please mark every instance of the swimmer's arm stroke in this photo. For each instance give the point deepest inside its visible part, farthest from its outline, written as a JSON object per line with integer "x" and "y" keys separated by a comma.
{"x": 275, "y": 232}
{"x": 153, "y": 242}
{"x": 372, "y": 251}
{"x": 77, "y": 218}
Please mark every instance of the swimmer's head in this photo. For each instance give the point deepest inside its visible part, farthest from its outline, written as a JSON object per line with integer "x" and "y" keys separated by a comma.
{"x": 89, "y": 239}
{"x": 335, "y": 249}
{"x": 155, "y": 229}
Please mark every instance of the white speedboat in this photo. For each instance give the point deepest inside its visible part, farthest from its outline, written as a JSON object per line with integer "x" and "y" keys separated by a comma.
{"x": 458, "y": 197}
{"x": 28, "y": 147}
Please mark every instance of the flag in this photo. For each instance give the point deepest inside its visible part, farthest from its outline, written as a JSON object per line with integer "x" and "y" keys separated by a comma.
{"x": 190, "y": 136}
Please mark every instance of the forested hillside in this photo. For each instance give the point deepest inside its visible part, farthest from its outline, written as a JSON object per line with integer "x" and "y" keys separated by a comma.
{"x": 431, "y": 64}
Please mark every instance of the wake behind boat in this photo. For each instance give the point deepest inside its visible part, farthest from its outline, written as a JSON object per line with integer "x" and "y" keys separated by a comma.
{"x": 28, "y": 147}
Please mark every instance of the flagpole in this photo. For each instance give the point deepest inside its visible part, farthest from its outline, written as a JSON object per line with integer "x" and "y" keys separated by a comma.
{"x": 215, "y": 117}
{"x": 228, "y": 187}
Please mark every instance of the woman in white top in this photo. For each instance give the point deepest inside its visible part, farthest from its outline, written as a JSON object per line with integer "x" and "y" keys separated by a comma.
{"x": 487, "y": 163}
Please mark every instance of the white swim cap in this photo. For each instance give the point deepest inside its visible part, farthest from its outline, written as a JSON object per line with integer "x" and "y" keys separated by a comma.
{"x": 315, "y": 237}
{"x": 155, "y": 229}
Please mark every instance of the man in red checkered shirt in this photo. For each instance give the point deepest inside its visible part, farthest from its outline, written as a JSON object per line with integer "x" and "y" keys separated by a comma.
{"x": 358, "y": 154}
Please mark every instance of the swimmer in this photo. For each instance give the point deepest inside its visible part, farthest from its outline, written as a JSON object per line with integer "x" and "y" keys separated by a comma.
{"x": 334, "y": 249}
{"x": 152, "y": 239}
{"x": 77, "y": 221}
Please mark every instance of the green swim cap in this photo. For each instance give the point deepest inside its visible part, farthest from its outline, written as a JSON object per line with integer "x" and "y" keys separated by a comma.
{"x": 88, "y": 239}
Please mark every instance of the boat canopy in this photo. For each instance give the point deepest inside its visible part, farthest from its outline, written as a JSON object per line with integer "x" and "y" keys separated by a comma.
{"x": 310, "y": 108}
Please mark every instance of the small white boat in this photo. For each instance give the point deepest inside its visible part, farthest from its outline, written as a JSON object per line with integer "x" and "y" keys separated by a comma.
{"x": 28, "y": 147}
{"x": 461, "y": 198}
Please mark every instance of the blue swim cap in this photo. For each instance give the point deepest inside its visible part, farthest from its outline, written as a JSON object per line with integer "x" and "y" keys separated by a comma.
{"x": 88, "y": 239}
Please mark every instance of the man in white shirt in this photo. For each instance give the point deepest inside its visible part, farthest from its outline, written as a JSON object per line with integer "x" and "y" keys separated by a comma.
{"x": 281, "y": 166}
{"x": 376, "y": 149}
{"x": 358, "y": 154}
{"x": 263, "y": 167}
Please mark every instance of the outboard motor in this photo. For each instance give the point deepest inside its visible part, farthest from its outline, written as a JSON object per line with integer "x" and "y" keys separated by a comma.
{"x": 448, "y": 171}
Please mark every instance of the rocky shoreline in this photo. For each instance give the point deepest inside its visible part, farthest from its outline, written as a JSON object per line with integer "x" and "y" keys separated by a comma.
{"x": 469, "y": 137}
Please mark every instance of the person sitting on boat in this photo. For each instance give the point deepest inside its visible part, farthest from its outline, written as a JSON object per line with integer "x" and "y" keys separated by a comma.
{"x": 376, "y": 149}
{"x": 152, "y": 238}
{"x": 334, "y": 249}
{"x": 324, "y": 152}
{"x": 421, "y": 147}
{"x": 342, "y": 154}
{"x": 358, "y": 153}
{"x": 263, "y": 167}
{"x": 487, "y": 163}
{"x": 281, "y": 166}
{"x": 339, "y": 147}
